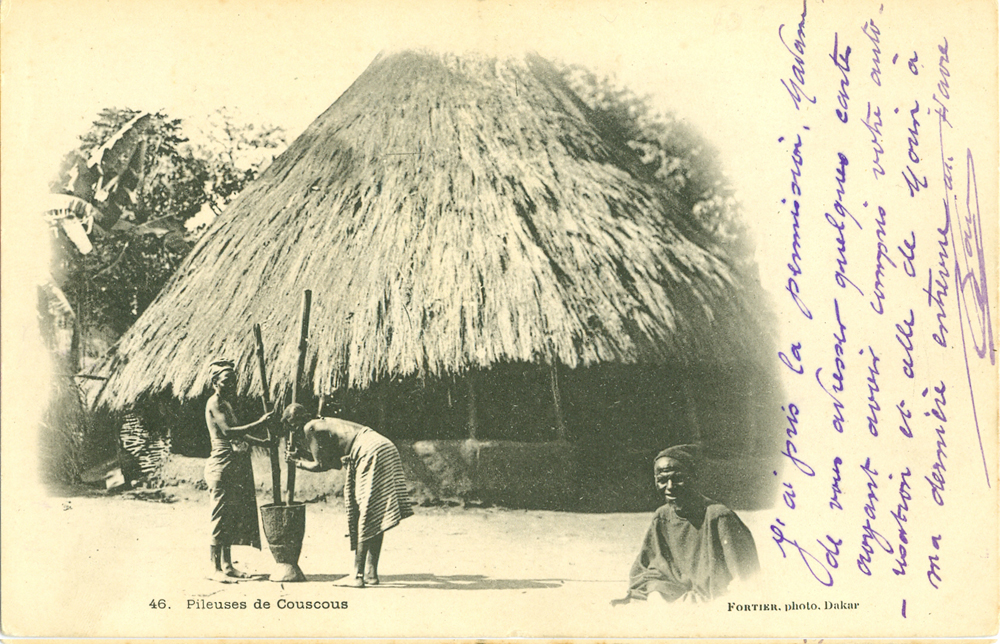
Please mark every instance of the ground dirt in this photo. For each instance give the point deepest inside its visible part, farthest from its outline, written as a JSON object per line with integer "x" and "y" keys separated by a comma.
{"x": 477, "y": 572}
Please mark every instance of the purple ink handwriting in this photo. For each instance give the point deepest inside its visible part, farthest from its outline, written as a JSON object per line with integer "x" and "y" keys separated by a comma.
{"x": 973, "y": 290}
{"x": 794, "y": 266}
{"x": 816, "y": 566}
{"x": 933, "y": 576}
{"x": 869, "y": 534}
{"x": 791, "y": 451}
{"x": 881, "y": 253}
{"x": 797, "y": 49}
{"x": 842, "y": 62}
{"x": 835, "y": 487}
{"x": 937, "y": 479}
{"x": 873, "y": 406}
{"x": 870, "y": 30}
{"x": 899, "y": 514}
{"x": 909, "y": 254}
{"x": 873, "y": 121}
{"x": 840, "y": 274}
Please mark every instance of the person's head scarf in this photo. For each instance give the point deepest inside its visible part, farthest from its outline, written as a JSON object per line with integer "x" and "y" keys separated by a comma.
{"x": 686, "y": 455}
{"x": 219, "y": 367}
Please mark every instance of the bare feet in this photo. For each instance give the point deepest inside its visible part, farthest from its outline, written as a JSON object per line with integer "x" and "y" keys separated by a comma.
{"x": 359, "y": 582}
{"x": 371, "y": 579}
{"x": 221, "y": 577}
{"x": 233, "y": 573}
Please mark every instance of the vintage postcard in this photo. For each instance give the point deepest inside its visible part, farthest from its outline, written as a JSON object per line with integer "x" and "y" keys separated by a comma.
{"x": 474, "y": 319}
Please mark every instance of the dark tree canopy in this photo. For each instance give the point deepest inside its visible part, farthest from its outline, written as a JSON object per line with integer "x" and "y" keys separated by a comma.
{"x": 673, "y": 154}
{"x": 234, "y": 153}
{"x": 174, "y": 181}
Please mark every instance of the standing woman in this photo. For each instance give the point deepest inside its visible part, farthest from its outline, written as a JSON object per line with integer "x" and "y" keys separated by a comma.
{"x": 229, "y": 473}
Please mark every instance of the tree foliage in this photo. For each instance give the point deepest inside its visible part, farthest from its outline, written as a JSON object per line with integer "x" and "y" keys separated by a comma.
{"x": 177, "y": 183}
{"x": 676, "y": 157}
{"x": 235, "y": 153}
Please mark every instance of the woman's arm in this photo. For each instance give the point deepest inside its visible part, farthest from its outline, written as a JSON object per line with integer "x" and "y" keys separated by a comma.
{"x": 257, "y": 440}
{"x": 222, "y": 423}
{"x": 246, "y": 429}
{"x": 311, "y": 458}
{"x": 265, "y": 422}
{"x": 309, "y": 465}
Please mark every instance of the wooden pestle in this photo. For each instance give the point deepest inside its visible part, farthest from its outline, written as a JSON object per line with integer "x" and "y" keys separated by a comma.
{"x": 266, "y": 398}
{"x": 300, "y": 367}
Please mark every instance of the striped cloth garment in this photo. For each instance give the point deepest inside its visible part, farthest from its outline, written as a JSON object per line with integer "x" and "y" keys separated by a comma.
{"x": 374, "y": 487}
{"x": 149, "y": 452}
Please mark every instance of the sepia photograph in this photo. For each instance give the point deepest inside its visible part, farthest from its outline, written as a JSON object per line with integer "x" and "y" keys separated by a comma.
{"x": 463, "y": 319}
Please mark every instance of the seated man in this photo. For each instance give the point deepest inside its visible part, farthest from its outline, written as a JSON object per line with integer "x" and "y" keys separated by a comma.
{"x": 374, "y": 486}
{"x": 694, "y": 547}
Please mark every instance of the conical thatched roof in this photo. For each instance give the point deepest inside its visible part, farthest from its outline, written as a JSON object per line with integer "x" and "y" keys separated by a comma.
{"x": 448, "y": 213}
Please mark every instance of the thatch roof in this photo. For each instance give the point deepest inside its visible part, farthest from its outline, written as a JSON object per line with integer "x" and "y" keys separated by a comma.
{"x": 448, "y": 213}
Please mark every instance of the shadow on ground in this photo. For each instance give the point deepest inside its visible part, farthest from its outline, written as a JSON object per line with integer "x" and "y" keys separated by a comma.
{"x": 466, "y": 582}
{"x": 448, "y": 582}
{"x": 326, "y": 578}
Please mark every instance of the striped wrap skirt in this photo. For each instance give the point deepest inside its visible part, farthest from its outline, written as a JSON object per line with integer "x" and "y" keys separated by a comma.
{"x": 374, "y": 487}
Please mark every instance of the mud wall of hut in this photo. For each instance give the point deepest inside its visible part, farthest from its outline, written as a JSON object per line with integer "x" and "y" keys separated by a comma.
{"x": 593, "y": 451}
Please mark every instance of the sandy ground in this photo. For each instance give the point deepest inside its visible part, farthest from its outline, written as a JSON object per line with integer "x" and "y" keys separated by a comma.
{"x": 98, "y": 563}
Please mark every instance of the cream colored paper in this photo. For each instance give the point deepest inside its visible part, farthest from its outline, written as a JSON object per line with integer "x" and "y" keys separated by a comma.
{"x": 759, "y": 81}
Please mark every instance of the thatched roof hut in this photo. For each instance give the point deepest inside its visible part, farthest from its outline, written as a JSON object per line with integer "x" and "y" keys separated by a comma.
{"x": 452, "y": 215}
{"x": 449, "y": 213}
